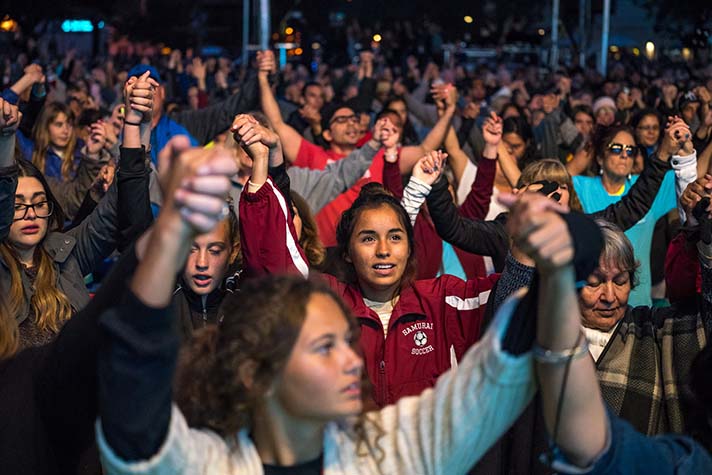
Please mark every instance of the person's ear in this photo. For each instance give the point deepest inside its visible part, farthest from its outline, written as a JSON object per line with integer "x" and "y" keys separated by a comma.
{"x": 246, "y": 372}
{"x": 235, "y": 252}
{"x": 326, "y": 133}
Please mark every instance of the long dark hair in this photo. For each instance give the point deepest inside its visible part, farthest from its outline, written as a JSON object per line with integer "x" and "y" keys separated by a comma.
{"x": 372, "y": 196}
{"x": 520, "y": 126}
{"x": 50, "y": 306}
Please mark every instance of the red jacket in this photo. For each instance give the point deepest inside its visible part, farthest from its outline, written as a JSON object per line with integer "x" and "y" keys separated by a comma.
{"x": 433, "y": 321}
{"x": 683, "y": 276}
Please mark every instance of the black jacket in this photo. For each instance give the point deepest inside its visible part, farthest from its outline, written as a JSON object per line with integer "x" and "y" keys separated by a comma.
{"x": 490, "y": 238}
{"x": 48, "y": 394}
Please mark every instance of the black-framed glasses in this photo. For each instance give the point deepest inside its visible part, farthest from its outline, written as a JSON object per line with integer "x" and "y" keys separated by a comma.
{"x": 649, "y": 128}
{"x": 344, "y": 119}
{"x": 43, "y": 209}
{"x": 617, "y": 149}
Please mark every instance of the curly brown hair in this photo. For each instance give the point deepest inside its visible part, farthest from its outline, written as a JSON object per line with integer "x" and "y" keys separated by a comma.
{"x": 262, "y": 324}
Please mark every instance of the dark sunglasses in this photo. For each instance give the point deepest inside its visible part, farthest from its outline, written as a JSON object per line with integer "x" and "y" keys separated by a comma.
{"x": 617, "y": 149}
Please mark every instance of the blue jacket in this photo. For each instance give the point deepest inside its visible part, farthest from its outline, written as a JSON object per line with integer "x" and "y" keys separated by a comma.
{"x": 630, "y": 452}
{"x": 164, "y": 130}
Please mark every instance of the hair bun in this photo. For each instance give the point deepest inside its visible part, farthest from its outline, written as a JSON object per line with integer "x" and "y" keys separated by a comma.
{"x": 373, "y": 189}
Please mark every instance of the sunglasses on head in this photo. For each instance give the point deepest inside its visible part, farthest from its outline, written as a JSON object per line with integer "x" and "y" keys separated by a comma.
{"x": 617, "y": 149}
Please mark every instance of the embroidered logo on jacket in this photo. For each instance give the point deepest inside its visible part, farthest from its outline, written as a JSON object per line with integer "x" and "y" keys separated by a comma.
{"x": 420, "y": 338}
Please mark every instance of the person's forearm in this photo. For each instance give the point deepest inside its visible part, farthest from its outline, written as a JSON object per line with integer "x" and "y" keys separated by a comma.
{"x": 165, "y": 254}
{"x": 276, "y": 156}
{"x": 580, "y": 162}
{"x": 559, "y": 329}
{"x": 7, "y": 150}
{"x": 145, "y": 132}
{"x": 685, "y": 167}
{"x": 24, "y": 83}
{"x": 436, "y": 136}
{"x": 259, "y": 173}
{"x": 269, "y": 103}
{"x": 131, "y": 136}
{"x": 457, "y": 158}
{"x": 508, "y": 164}
{"x": 414, "y": 196}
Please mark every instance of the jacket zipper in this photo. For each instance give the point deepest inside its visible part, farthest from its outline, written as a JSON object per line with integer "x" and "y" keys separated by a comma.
{"x": 382, "y": 372}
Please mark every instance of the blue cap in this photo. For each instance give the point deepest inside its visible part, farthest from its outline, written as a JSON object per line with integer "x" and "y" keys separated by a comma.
{"x": 139, "y": 69}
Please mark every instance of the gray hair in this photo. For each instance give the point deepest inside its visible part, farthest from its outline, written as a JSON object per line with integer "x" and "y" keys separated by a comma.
{"x": 618, "y": 249}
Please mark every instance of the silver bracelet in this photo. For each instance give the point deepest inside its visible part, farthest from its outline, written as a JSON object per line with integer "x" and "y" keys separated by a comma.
{"x": 546, "y": 356}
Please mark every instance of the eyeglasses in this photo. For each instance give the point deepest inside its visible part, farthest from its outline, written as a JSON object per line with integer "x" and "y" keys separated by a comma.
{"x": 344, "y": 119}
{"x": 43, "y": 209}
{"x": 77, "y": 99}
{"x": 617, "y": 149}
{"x": 649, "y": 128}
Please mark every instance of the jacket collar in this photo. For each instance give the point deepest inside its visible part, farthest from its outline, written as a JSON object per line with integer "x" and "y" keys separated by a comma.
{"x": 59, "y": 246}
{"x": 408, "y": 308}
{"x": 195, "y": 301}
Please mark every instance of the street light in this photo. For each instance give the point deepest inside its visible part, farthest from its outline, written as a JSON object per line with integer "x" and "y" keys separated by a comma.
{"x": 468, "y": 19}
{"x": 8, "y": 24}
{"x": 377, "y": 38}
{"x": 650, "y": 49}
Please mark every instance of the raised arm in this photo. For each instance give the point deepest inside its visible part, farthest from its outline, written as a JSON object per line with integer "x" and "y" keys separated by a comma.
{"x": 571, "y": 397}
{"x": 125, "y": 210}
{"x": 9, "y": 121}
{"x": 291, "y": 139}
{"x": 486, "y": 238}
{"x": 137, "y": 359}
{"x": 410, "y": 155}
{"x": 476, "y": 205}
{"x": 425, "y": 172}
{"x": 267, "y": 235}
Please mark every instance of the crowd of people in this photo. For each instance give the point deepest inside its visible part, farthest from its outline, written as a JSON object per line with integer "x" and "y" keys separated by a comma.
{"x": 396, "y": 266}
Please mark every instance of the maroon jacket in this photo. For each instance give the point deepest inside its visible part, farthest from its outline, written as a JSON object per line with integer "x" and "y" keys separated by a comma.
{"x": 476, "y": 206}
{"x": 434, "y": 321}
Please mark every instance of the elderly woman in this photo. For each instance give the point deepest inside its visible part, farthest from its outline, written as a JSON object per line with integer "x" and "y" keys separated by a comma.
{"x": 642, "y": 355}
{"x": 644, "y": 344}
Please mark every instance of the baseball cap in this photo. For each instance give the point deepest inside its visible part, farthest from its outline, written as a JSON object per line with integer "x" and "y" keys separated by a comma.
{"x": 139, "y": 69}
